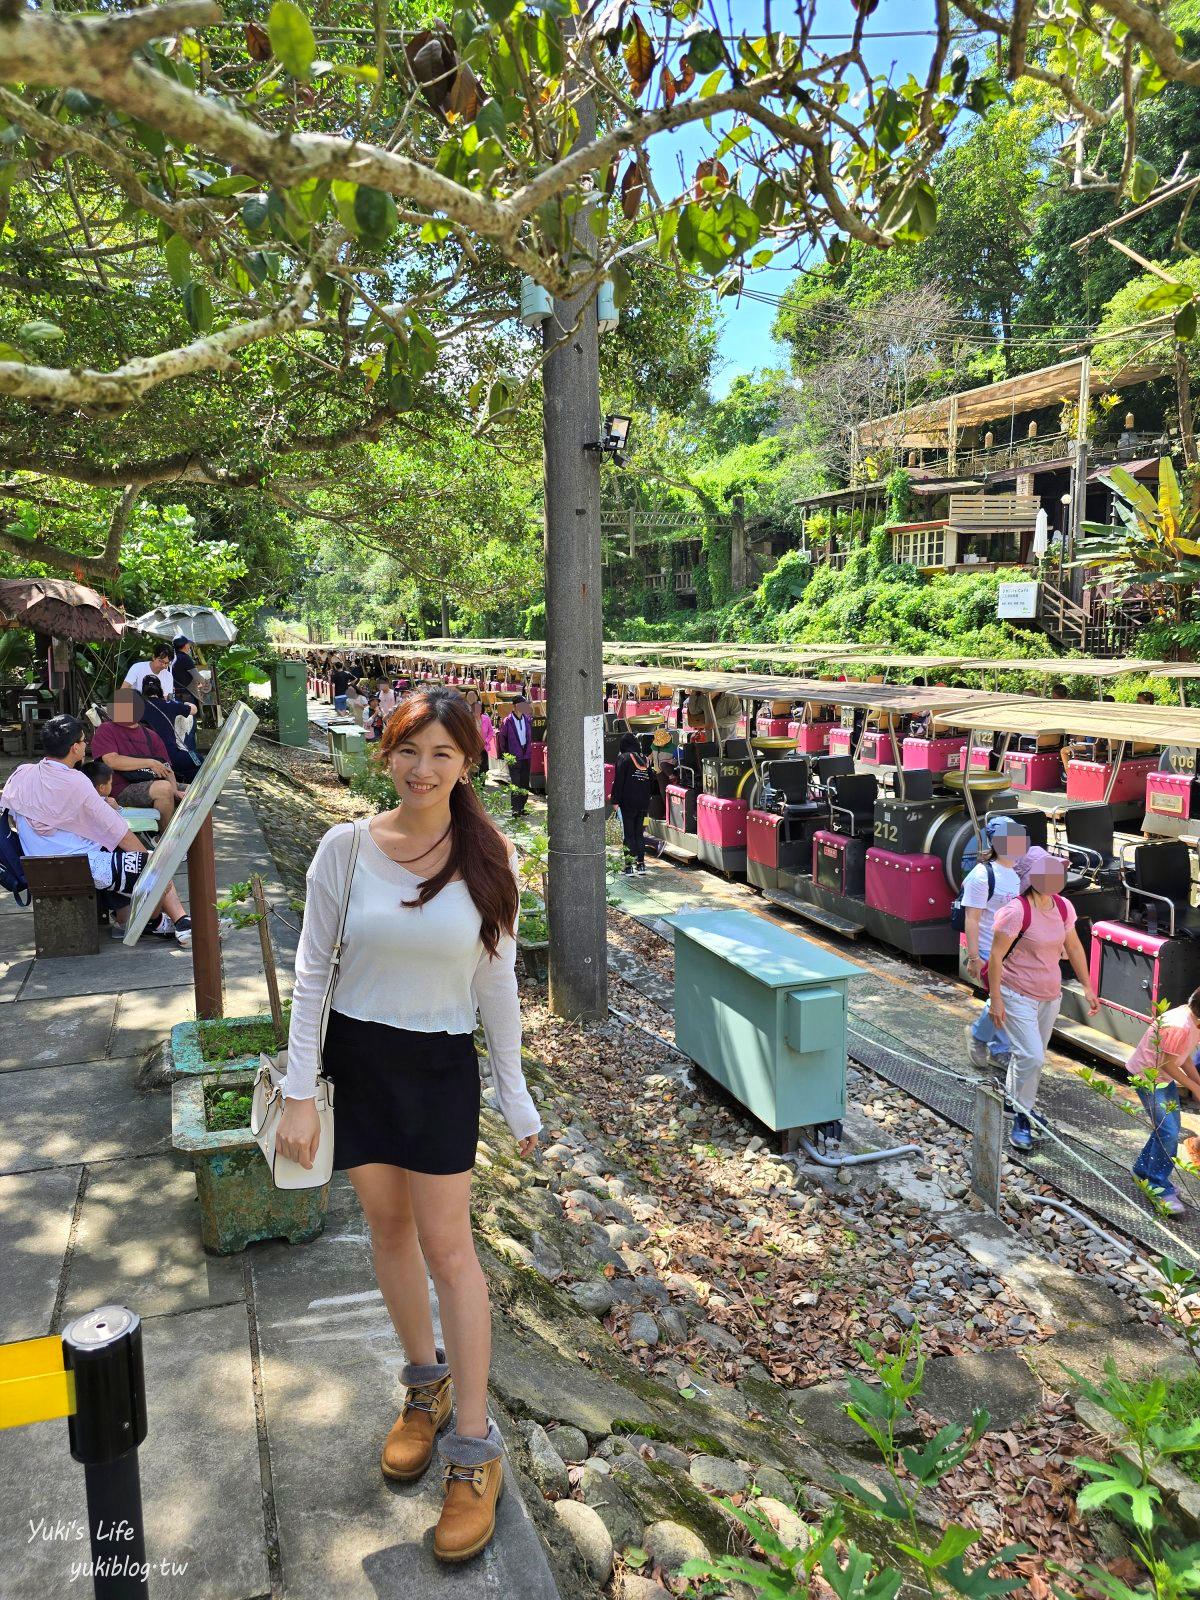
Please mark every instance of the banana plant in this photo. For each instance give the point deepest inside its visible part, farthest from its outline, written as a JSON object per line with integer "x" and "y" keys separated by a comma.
{"x": 1154, "y": 542}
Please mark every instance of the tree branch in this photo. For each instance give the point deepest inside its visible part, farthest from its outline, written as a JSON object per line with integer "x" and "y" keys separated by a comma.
{"x": 58, "y": 387}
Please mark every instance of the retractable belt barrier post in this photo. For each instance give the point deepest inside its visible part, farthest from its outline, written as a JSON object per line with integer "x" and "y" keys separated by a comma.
{"x": 93, "y": 1376}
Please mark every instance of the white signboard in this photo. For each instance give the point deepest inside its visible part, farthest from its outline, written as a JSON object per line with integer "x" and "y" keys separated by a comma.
{"x": 167, "y": 857}
{"x": 1019, "y": 601}
{"x": 593, "y": 763}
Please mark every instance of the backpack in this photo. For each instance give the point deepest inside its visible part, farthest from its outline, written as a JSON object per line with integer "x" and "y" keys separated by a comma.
{"x": 958, "y": 911}
{"x": 1026, "y": 919}
{"x": 12, "y": 873}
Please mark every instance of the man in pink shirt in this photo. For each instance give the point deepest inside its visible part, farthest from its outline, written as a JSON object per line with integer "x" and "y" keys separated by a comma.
{"x": 1162, "y": 1062}
{"x": 59, "y": 813}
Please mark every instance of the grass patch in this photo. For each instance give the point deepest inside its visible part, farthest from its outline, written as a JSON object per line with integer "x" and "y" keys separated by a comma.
{"x": 230, "y": 1040}
{"x": 226, "y": 1109}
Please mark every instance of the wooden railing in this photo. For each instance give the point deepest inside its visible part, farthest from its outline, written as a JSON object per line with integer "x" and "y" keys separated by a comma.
{"x": 682, "y": 582}
{"x": 993, "y": 513}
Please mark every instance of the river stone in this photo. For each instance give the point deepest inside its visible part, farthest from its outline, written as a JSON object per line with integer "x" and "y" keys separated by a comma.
{"x": 635, "y": 1587}
{"x": 570, "y": 1444}
{"x": 775, "y": 1484}
{"x": 790, "y": 1528}
{"x": 673, "y": 1324}
{"x": 615, "y": 1509}
{"x": 594, "y": 1296}
{"x": 584, "y": 1200}
{"x": 671, "y": 1455}
{"x": 592, "y": 1539}
{"x": 546, "y": 1467}
{"x": 670, "y": 1545}
{"x": 718, "y": 1475}
{"x": 643, "y": 1330}
{"x": 546, "y": 1260}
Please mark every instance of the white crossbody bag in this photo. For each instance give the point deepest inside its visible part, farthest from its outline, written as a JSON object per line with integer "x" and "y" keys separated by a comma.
{"x": 267, "y": 1106}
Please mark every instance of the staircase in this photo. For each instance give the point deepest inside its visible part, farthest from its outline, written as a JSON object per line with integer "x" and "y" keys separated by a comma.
{"x": 1106, "y": 627}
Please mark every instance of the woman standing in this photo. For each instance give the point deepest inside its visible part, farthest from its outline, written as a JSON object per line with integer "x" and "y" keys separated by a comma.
{"x": 631, "y": 793}
{"x": 1030, "y": 937}
{"x": 428, "y": 938}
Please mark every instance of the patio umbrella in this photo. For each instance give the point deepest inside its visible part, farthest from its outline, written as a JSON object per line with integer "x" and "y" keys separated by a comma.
{"x": 61, "y": 609}
{"x": 203, "y": 625}
{"x": 1041, "y": 533}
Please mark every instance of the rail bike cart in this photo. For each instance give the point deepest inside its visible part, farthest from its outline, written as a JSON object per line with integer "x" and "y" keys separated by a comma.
{"x": 1133, "y": 897}
{"x": 858, "y": 850}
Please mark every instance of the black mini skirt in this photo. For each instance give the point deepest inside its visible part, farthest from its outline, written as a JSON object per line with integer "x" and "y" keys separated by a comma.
{"x": 401, "y": 1098}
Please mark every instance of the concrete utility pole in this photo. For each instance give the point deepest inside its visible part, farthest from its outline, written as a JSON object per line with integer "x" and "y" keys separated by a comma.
{"x": 576, "y": 908}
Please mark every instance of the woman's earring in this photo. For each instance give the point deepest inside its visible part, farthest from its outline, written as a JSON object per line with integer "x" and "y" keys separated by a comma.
{"x": 466, "y": 778}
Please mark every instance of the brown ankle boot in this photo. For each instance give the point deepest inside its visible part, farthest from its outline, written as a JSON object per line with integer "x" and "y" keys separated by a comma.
{"x": 473, "y": 1481}
{"x": 408, "y": 1449}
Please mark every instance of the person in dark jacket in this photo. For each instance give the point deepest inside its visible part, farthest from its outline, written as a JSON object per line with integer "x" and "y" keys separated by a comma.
{"x": 516, "y": 746}
{"x": 631, "y": 794}
{"x": 162, "y": 716}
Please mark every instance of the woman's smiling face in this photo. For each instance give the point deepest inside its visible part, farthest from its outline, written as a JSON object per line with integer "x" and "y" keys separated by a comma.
{"x": 425, "y": 767}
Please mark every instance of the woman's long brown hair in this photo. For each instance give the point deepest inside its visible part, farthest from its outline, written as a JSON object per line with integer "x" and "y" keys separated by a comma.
{"x": 478, "y": 850}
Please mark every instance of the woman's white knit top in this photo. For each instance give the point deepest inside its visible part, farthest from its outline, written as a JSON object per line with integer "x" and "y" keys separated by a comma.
{"x": 424, "y": 969}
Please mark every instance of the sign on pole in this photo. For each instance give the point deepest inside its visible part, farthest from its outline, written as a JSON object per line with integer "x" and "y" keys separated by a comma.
{"x": 196, "y": 805}
{"x": 593, "y": 763}
{"x": 1018, "y": 602}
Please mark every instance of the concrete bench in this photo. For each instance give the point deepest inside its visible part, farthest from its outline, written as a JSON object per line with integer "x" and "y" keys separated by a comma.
{"x": 65, "y": 919}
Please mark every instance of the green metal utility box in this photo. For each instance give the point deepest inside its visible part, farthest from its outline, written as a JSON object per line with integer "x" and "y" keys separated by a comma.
{"x": 291, "y": 702}
{"x": 763, "y": 1011}
{"x": 348, "y": 748}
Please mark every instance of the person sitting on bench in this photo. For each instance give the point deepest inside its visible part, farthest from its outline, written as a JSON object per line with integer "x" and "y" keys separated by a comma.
{"x": 59, "y": 813}
{"x": 142, "y": 774}
{"x": 172, "y": 721}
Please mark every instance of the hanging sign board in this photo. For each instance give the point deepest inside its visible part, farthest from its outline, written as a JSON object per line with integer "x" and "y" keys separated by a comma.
{"x": 593, "y": 763}
{"x": 1019, "y": 602}
{"x": 202, "y": 794}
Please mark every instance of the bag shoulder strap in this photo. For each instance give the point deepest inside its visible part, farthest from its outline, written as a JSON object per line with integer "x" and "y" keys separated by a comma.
{"x": 991, "y": 878}
{"x": 1026, "y": 919}
{"x": 1062, "y": 908}
{"x": 336, "y": 961}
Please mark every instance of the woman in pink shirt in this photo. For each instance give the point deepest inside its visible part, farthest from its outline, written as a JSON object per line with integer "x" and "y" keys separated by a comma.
{"x": 1030, "y": 936}
{"x": 1161, "y": 1063}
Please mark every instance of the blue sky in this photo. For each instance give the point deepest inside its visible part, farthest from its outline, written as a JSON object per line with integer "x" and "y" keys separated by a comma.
{"x": 745, "y": 341}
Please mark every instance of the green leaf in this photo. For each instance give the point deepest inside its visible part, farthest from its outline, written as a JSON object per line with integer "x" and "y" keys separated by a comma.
{"x": 179, "y": 260}
{"x": 857, "y": 1580}
{"x": 292, "y": 38}
{"x": 40, "y": 332}
{"x": 885, "y": 1503}
{"x": 1185, "y": 322}
{"x": 893, "y": 119}
{"x": 1121, "y": 1482}
{"x": 238, "y": 183}
{"x": 909, "y": 212}
{"x": 955, "y": 1541}
{"x": 375, "y": 216}
{"x": 985, "y": 92}
{"x": 704, "y": 48}
{"x": 197, "y": 307}
{"x": 1142, "y": 180}
{"x": 1164, "y": 296}
{"x": 979, "y": 1584}
{"x": 82, "y": 104}
{"x": 490, "y": 122}
{"x": 9, "y": 352}
{"x": 255, "y": 213}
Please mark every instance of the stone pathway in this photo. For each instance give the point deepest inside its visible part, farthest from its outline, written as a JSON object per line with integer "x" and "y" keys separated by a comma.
{"x": 270, "y": 1376}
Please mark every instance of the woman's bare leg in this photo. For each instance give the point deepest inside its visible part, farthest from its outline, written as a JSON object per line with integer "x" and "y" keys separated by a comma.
{"x": 383, "y": 1192}
{"x": 441, "y": 1207}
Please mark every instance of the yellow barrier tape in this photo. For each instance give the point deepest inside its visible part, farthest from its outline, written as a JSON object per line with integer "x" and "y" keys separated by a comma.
{"x": 34, "y": 1387}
